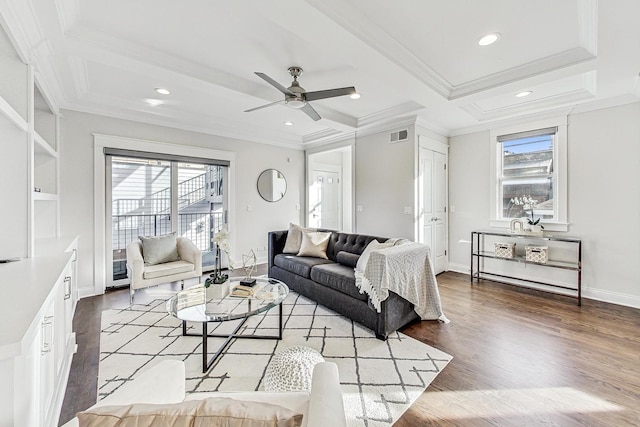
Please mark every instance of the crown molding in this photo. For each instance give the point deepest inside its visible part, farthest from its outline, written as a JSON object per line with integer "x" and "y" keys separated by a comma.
{"x": 67, "y": 13}
{"x": 376, "y": 38}
{"x": 546, "y": 103}
{"x": 99, "y": 105}
{"x": 16, "y": 29}
{"x": 539, "y": 68}
{"x": 513, "y": 121}
{"x": 389, "y": 113}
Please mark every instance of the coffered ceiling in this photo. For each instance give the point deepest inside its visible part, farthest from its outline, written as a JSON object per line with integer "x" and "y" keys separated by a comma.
{"x": 408, "y": 59}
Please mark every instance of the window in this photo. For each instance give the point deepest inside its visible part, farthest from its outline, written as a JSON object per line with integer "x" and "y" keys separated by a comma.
{"x": 526, "y": 177}
{"x": 529, "y": 170}
{"x": 153, "y": 194}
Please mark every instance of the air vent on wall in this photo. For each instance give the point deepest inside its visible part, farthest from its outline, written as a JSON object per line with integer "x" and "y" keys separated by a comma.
{"x": 401, "y": 135}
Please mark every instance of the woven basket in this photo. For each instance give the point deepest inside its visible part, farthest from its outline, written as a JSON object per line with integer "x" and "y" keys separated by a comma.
{"x": 505, "y": 250}
{"x": 539, "y": 254}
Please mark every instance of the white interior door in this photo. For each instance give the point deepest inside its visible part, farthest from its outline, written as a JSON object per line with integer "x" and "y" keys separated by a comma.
{"x": 433, "y": 172}
{"x": 324, "y": 200}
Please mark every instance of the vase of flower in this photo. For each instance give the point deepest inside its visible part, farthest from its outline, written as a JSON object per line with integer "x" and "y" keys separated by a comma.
{"x": 531, "y": 224}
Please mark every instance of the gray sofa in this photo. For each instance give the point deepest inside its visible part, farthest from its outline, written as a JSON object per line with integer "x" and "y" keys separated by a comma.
{"x": 331, "y": 282}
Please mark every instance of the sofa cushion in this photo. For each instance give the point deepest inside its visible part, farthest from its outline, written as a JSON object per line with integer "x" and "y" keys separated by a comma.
{"x": 298, "y": 265}
{"x": 354, "y": 243}
{"x": 166, "y": 269}
{"x": 338, "y": 277}
{"x": 195, "y": 413}
{"x": 159, "y": 249}
{"x": 348, "y": 259}
{"x": 314, "y": 244}
{"x": 294, "y": 239}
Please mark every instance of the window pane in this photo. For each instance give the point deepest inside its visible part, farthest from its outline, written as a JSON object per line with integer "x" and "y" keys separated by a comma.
{"x": 141, "y": 204}
{"x": 201, "y": 206}
{"x": 527, "y": 173}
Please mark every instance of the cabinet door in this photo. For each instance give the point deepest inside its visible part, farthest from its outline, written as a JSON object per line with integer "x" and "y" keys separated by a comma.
{"x": 63, "y": 316}
{"x": 47, "y": 362}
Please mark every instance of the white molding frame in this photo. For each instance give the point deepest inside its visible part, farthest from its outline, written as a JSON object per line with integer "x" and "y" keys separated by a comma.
{"x": 427, "y": 142}
{"x": 99, "y": 187}
{"x": 561, "y": 174}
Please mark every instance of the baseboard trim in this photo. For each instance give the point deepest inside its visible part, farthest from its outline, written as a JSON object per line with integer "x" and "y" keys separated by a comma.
{"x": 459, "y": 268}
{"x": 86, "y": 292}
{"x": 618, "y": 298}
{"x": 611, "y": 297}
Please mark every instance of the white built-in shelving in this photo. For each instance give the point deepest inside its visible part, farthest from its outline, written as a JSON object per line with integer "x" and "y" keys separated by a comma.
{"x": 36, "y": 330}
{"x": 29, "y": 166}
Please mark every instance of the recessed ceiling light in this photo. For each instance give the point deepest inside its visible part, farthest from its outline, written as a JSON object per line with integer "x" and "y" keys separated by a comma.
{"x": 162, "y": 91}
{"x": 355, "y": 96}
{"x": 288, "y": 123}
{"x": 489, "y": 39}
{"x": 153, "y": 102}
{"x": 524, "y": 93}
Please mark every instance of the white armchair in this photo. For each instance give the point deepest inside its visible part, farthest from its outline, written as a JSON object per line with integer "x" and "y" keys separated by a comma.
{"x": 144, "y": 275}
{"x": 164, "y": 383}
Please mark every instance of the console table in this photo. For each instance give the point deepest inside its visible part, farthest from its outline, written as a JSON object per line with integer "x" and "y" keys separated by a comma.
{"x": 479, "y": 252}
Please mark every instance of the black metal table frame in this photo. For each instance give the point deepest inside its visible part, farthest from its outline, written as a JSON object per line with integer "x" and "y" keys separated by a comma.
{"x": 477, "y": 273}
{"x": 206, "y": 362}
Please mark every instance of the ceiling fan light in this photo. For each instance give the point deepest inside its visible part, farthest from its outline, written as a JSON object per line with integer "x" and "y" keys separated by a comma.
{"x": 489, "y": 39}
{"x": 296, "y": 103}
{"x": 355, "y": 96}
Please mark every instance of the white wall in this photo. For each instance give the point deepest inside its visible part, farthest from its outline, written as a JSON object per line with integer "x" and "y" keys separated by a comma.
{"x": 604, "y": 200}
{"x": 250, "y": 228}
{"x": 384, "y": 185}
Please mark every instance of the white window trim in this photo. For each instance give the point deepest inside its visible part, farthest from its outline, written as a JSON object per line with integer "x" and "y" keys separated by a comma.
{"x": 561, "y": 222}
{"x": 100, "y": 176}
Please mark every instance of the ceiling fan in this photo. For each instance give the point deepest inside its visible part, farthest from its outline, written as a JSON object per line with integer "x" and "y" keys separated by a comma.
{"x": 296, "y": 97}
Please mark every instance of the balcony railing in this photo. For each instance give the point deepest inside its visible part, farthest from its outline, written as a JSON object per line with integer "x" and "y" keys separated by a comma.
{"x": 197, "y": 227}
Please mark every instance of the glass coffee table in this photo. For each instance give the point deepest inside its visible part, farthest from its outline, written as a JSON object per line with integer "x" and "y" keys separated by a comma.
{"x": 192, "y": 305}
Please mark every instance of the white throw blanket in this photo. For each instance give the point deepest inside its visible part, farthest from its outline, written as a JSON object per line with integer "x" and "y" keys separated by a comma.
{"x": 405, "y": 270}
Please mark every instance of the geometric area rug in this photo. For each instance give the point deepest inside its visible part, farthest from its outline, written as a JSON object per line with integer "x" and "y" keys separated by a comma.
{"x": 380, "y": 379}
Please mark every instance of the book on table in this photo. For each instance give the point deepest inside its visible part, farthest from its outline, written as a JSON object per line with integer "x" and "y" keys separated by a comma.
{"x": 244, "y": 291}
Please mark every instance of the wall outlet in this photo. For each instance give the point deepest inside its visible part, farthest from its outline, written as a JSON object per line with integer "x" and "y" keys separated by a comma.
{"x": 298, "y": 206}
{"x": 408, "y": 210}
{"x": 359, "y": 209}
{"x": 249, "y": 208}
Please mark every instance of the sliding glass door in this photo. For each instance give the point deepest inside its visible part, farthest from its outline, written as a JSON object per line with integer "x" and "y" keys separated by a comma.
{"x": 151, "y": 197}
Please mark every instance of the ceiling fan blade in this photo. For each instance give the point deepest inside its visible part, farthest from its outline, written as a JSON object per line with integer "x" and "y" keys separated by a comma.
{"x": 329, "y": 93}
{"x": 263, "y": 106}
{"x": 309, "y": 111}
{"x": 274, "y": 83}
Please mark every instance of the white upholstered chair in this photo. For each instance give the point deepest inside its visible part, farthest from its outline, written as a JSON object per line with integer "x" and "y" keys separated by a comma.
{"x": 185, "y": 264}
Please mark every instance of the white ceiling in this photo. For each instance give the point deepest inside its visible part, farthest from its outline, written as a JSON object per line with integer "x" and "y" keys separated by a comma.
{"x": 410, "y": 59}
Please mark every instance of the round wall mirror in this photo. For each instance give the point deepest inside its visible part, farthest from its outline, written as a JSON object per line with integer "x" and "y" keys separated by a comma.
{"x": 271, "y": 185}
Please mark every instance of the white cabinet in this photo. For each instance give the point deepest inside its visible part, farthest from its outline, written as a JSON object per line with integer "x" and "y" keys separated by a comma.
{"x": 36, "y": 336}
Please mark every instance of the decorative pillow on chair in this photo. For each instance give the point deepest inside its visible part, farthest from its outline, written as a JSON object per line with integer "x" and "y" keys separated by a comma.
{"x": 213, "y": 411}
{"x": 294, "y": 239}
{"x": 159, "y": 249}
{"x": 314, "y": 244}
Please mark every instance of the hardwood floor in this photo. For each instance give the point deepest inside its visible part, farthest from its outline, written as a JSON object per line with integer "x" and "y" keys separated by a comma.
{"x": 520, "y": 357}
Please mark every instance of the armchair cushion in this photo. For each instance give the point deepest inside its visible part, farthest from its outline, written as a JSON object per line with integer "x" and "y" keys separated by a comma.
{"x": 166, "y": 269}
{"x": 160, "y": 249}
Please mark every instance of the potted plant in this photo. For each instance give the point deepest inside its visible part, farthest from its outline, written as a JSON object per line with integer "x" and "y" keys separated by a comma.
{"x": 216, "y": 284}
{"x": 528, "y": 206}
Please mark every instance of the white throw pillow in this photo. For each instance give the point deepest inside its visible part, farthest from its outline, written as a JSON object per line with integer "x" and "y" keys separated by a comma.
{"x": 314, "y": 244}
{"x": 159, "y": 249}
{"x": 294, "y": 239}
{"x": 374, "y": 245}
